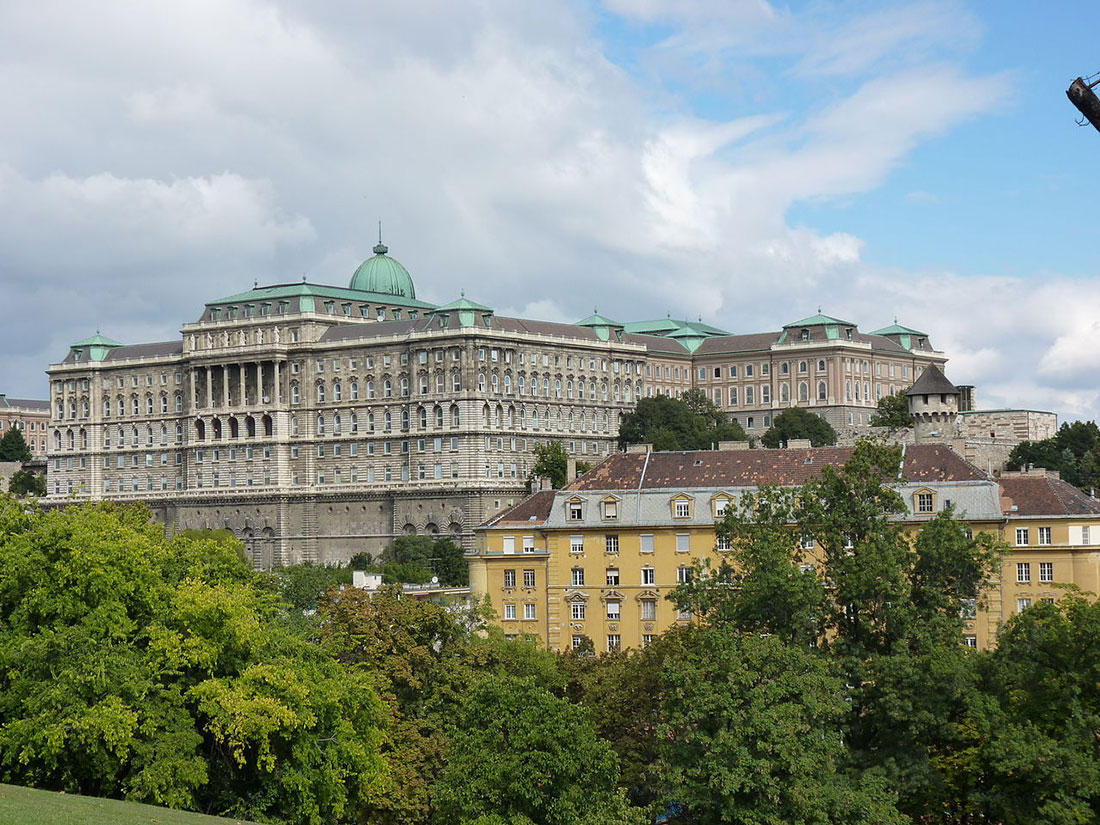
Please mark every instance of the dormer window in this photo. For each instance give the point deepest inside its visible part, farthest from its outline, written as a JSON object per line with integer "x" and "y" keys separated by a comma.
{"x": 721, "y": 506}
{"x": 610, "y": 509}
{"x": 920, "y": 343}
{"x": 924, "y": 502}
{"x": 574, "y": 509}
{"x": 347, "y": 308}
{"x": 804, "y": 335}
{"x": 848, "y": 333}
{"x": 681, "y": 507}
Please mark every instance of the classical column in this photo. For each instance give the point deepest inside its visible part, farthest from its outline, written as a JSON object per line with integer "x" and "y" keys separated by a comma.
{"x": 209, "y": 387}
{"x": 243, "y": 380}
{"x": 259, "y": 382}
{"x": 225, "y": 385}
{"x": 278, "y": 396}
{"x": 194, "y": 388}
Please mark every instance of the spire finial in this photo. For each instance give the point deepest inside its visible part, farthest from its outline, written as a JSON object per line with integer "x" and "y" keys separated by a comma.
{"x": 255, "y": 283}
{"x": 895, "y": 319}
{"x": 819, "y": 309}
{"x": 303, "y": 277}
{"x": 462, "y": 292}
{"x": 380, "y": 248}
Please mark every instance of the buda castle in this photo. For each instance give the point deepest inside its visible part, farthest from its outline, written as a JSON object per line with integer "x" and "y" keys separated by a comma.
{"x": 320, "y": 421}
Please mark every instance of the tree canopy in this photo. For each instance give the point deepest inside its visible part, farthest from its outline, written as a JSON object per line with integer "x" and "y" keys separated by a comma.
{"x": 892, "y": 412}
{"x": 692, "y": 422}
{"x": 798, "y": 422}
{"x": 24, "y": 483}
{"x": 1074, "y": 452}
{"x": 13, "y": 447}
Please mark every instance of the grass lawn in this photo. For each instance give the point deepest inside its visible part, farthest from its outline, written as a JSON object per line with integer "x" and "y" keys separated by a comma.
{"x": 23, "y": 806}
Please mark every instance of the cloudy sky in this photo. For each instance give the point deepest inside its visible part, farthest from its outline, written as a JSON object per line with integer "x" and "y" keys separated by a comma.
{"x": 734, "y": 160}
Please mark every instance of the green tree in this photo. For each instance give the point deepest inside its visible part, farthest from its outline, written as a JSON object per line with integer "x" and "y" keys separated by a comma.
{"x": 692, "y": 422}
{"x": 798, "y": 422}
{"x": 303, "y": 585}
{"x": 751, "y": 733}
{"x": 13, "y": 447}
{"x": 160, "y": 670}
{"x": 552, "y": 462}
{"x": 521, "y": 755}
{"x": 416, "y": 559}
{"x": 1070, "y": 452}
{"x": 892, "y": 412}
{"x": 24, "y": 483}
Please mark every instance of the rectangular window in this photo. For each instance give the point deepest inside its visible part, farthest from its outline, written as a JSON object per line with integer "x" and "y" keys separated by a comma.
{"x": 971, "y": 641}
{"x": 509, "y": 544}
{"x": 611, "y": 544}
{"x": 647, "y": 639}
{"x": 528, "y": 578}
{"x": 576, "y": 544}
{"x": 1044, "y": 535}
{"x": 924, "y": 503}
{"x": 613, "y": 611}
{"x": 578, "y": 611}
{"x": 1046, "y": 571}
{"x": 1022, "y": 535}
{"x": 611, "y": 510}
{"x": 1023, "y": 572}
{"x": 683, "y": 509}
{"x": 646, "y": 542}
{"x": 509, "y": 612}
{"x": 649, "y": 610}
{"x": 528, "y": 612}
{"x": 1022, "y": 605}
{"x": 575, "y": 511}
{"x": 612, "y": 577}
{"x": 528, "y": 544}
{"x": 683, "y": 542}
{"x": 509, "y": 578}
{"x": 649, "y": 575}
{"x": 683, "y": 575}
{"x": 614, "y": 642}
{"x": 577, "y": 577}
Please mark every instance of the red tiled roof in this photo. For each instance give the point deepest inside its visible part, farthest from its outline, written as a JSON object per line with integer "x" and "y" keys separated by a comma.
{"x": 748, "y": 468}
{"x": 1044, "y": 495}
{"x": 533, "y": 509}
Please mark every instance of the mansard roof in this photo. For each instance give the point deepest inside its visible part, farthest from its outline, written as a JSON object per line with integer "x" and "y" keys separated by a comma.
{"x": 1034, "y": 494}
{"x": 752, "y": 468}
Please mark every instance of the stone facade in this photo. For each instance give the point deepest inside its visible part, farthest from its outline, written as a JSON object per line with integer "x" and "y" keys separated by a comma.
{"x": 318, "y": 421}
{"x": 30, "y": 416}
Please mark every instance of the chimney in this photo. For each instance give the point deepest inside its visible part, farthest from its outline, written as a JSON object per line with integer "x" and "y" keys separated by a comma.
{"x": 729, "y": 446}
{"x": 639, "y": 448}
{"x": 546, "y": 485}
{"x": 570, "y": 469}
{"x": 799, "y": 444}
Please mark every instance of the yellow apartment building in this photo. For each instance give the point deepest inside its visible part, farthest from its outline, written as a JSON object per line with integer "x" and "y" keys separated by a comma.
{"x": 599, "y": 558}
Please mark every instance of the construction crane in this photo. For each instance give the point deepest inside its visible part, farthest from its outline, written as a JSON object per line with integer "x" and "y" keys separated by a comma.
{"x": 1082, "y": 96}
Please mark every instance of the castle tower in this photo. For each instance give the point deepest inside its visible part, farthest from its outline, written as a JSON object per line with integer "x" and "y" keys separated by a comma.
{"x": 933, "y": 406}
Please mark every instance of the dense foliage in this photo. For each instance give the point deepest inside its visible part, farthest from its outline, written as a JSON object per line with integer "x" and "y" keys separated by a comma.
{"x": 13, "y": 447}
{"x": 892, "y": 412}
{"x": 26, "y": 483}
{"x": 552, "y": 462}
{"x": 798, "y": 422}
{"x": 814, "y": 687}
{"x": 1074, "y": 452}
{"x": 692, "y": 422}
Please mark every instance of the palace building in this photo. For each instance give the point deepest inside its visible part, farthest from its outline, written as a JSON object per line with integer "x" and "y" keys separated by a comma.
{"x": 598, "y": 558}
{"x": 319, "y": 421}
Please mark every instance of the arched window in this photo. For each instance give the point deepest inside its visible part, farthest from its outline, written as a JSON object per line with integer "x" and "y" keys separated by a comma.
{"x": 507, "y": 384}
{"x": 822, "y": 391}
{"x": 320, "y": 425}
{"x": 320, "y": 392}
{"x": 106, "y": 407}
{"x": 134, "y": 405}
{"x": 821, "y": 366}
{"x": 803, "y": 391}
{"x": 784, "y": 368}
{"x": 495, "y": 382}
{"x": 179, "y": 433}
{"x": 57, "y": 439}
{"x": 454, "y": 415}
{"x": 163, "y": 403}
{"x": 294, "y": 425}
{"x": 336, "y": 424}
{"x": 546, "y": 387}
{"x": 354, "y": 389}
{"x": 179, "y": 402}
{"x": 121, "y": 437}
{"x": 387, "y": 420}
{"x": 784, "y": 393}
{"x": 387, "y": 388}
{"x": 83, "y": 439}
{"x": 423, "y": 416}
{"x": 481, "y": 382}
{"x": 438, "y": 416}
{"x": 404, "y": 419}
{"x": 200, "y": 432}
{"x": 295, "y": 395}
{"x": 337, "y": 392}
{"x": 456, "y": 381}
{"x": 354, "y": 423}
{"x": 148, "y": 405}
{"x": 404, "y": 386}
{"x": 370, "y": 388}
{"x": 522, "y": 384}
{"x": 370, "y": 422}
{"x": 163, "y": 433}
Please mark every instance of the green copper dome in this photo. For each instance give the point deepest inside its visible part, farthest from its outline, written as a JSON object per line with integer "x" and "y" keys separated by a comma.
{"x": 383, "y": 274}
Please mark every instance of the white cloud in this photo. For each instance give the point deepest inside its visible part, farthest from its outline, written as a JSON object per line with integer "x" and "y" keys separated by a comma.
{"x": 160, "y": 156}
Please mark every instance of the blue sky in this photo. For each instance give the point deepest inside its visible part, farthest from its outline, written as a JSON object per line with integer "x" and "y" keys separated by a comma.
{"x": 737, "y": 160}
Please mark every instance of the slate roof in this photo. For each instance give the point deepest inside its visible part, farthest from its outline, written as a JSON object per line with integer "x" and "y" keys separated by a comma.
{"x": 750, "y": 468}
{"x": 1044, "y": 495}
{"x": 533, "y": 509}
{"x": 933, "y": 382}
{"x": 763, "y": 341}
{"x": 24, "y": 403}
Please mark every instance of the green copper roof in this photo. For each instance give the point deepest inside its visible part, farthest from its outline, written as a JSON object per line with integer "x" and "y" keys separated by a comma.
{"x": 819, "y": 320}
{"x": 897, "y": 329}
{"x": 597, "y": 320}
{"x": 462, "y": 303}
{"x": 384, "y": 275}
{"x": 665, "y": 326}
{"x": 97, "y": 340}
{"x": 304, "y": 290}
